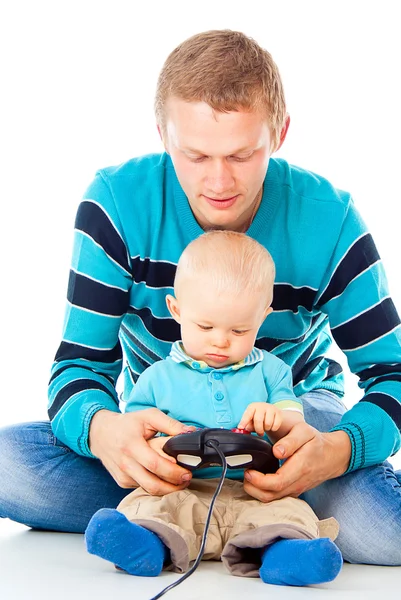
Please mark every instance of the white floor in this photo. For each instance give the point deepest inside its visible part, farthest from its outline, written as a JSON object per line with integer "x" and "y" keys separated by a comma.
{"x": 35, "y": 565}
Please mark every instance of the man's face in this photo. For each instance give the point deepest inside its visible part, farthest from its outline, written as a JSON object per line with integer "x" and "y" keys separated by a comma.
{"x": 220, "y": 159}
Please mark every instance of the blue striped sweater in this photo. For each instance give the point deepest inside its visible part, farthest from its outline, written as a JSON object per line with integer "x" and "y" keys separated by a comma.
{"x": 131, "y": 228}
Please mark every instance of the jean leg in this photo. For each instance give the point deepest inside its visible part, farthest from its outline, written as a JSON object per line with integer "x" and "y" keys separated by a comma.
{"x": 366, "y": 503}
{"x": 45, "y": 485}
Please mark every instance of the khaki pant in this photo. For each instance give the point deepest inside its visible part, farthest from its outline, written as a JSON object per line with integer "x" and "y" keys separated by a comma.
{"x": 239, "y": 527}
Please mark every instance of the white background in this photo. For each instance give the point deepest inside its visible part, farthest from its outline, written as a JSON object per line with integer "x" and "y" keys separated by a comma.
{"x": 78, "y": 80}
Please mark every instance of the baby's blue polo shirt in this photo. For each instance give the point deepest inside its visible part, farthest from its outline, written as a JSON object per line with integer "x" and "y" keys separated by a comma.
{"x": 197, "y": 394}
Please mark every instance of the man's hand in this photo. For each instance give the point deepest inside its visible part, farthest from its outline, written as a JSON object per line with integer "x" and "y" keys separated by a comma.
{"x": 120, "y": 442}
{"x": 311, "y": 458}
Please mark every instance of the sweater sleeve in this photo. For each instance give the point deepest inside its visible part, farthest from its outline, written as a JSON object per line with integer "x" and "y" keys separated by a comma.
{"x": 365, "y": 325}
{"x": 89, "y": 358}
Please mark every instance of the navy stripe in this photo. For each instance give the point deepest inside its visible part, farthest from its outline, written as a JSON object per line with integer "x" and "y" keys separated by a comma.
{"x": 154, "y": 274}
{"x": 141, "y": 361}
{"x": 369, "y": 326}
{"x": 153, "y": 357}
{"x": 307, "y": 369}
{"x": 377, "y": 370}
{"x": 389, "y": 404}
{"x": 166, "y": 330}
{"x": 92, "y": 295}
{"x": 135, "y": 376}
{"x": 302, "y": 360}
{"x": 75, "y": 366}
{"x": 268, "y": 344}
{"x": 360, "y": 257}
{"x": 333, "y": 370}
{"x": 91, "y": 219}
{"x": 69, "y": 351}
{"x": 383, "y": 378}
{"x": 72, "y": 388}
{"x": 286, "y": 297}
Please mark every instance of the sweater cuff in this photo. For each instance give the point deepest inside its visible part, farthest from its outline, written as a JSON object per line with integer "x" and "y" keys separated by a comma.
{"x": 71, "y": 424}
{"x": 374, "y": 435}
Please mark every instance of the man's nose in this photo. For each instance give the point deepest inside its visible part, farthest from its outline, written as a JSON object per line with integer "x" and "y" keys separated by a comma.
{"x": 219, "y": 179}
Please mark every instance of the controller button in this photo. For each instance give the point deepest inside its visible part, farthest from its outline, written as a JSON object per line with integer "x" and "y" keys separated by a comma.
{"x": 236, "y": 430}
{"x": 239, "y": 460}
{"x": 189, "y": 459}
{"x": 196, "y": 365}
{"x": 217, "y": 376}
{"x": 219, "y": 396}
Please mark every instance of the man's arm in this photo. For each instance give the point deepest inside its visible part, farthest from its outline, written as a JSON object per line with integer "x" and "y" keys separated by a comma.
{"x": 366, "y": 326}
{"x": 89, "y": 358}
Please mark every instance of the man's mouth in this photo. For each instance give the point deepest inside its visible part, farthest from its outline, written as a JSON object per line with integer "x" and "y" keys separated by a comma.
{"x": 221, "y": 202}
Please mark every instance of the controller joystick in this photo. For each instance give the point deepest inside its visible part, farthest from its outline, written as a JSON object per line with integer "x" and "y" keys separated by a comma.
{"x": 192, "y": 450}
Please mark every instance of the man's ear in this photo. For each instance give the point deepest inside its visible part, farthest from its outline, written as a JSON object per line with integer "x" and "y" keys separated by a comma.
{"x": 173, "y": 307}
{"x": 162, "y": 137}
{"x": 284, "y": 131}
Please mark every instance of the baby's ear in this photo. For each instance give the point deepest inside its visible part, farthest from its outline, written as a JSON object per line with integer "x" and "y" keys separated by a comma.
{"x": 268, "y": 311}
{"x": 173, "y": 306}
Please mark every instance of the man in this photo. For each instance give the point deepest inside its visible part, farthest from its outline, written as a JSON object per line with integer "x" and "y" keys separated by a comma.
{"x": 221, "y": 114}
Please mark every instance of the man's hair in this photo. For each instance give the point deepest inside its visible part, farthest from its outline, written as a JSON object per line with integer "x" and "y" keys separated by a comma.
{"x": 229, "y": 71}
{"x": 228, "y": 262}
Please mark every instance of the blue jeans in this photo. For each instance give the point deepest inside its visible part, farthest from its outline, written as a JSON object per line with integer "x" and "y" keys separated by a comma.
{"x": 45, "y": 485}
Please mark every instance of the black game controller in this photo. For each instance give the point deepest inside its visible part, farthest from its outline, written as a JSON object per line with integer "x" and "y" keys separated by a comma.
{"x": 192, "y": 450}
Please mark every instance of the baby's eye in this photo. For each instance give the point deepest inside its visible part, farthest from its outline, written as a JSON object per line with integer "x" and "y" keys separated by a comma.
{"x": 240, "y": 331}
{"x": 204, "y": 327}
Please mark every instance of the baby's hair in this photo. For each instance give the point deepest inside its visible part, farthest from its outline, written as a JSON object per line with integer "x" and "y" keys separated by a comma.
{"x": 230, "y": 262}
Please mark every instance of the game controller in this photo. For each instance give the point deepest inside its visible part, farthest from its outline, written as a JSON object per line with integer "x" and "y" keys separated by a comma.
{"x": 192, "y": 450}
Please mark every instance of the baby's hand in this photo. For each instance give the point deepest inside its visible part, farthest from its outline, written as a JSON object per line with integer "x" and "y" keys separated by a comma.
{"x": 261, "y": 417}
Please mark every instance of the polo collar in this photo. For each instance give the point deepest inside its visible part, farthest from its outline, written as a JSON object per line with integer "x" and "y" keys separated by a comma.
{"x": 178, "y": 355}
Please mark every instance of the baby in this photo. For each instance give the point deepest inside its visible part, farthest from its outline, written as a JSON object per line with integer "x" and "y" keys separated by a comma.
{"x": 223, "y": 292}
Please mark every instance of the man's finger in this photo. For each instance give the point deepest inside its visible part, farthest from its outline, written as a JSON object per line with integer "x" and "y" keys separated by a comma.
{"x": 300, "y": 434}
{"x": 154, "y": 419}
{"x": 152, "y": 461}
{"x": 285, "y": 482}
{"x": 152, "y": 484}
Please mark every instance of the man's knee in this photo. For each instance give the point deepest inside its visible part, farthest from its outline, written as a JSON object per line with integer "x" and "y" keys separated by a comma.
{"x": 367, "y": 505}
{"x": 371, "y": 545}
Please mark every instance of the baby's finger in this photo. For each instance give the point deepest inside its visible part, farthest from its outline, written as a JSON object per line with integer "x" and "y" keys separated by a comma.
{"x": 276, "y": 421}
{"x": 247, "y": 418}
{"x": 259, "y": 421}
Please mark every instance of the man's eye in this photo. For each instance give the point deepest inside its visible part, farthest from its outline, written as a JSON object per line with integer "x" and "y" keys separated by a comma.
{"x": 204, "y": 327}
{"x": 197, "y": 159}
{"x": 241, "y": 158}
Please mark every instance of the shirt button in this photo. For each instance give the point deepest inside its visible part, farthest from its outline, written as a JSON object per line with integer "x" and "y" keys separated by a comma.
{"x": 217, "y": 376}
{"x": 219, "y": 396}
{"x": 196, "y": 365}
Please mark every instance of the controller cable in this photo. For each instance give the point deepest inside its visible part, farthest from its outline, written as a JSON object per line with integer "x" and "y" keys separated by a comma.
{"x": 213, "y": 444}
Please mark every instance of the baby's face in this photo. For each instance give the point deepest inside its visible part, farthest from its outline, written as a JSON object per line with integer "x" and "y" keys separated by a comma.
{"x": 218, "y": 329}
